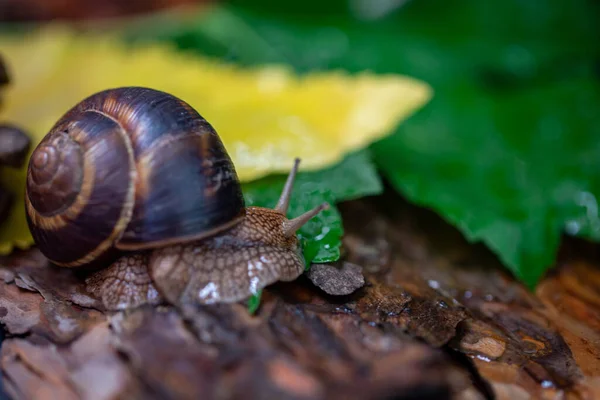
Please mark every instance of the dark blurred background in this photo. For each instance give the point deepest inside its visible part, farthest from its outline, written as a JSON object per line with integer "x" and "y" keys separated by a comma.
{"x": 43, "y": 10}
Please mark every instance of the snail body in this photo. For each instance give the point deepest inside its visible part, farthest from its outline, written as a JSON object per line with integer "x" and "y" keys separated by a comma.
{"x": 139, "y": 173}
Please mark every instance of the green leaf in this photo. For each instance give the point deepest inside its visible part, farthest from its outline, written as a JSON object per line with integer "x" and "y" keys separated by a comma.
{"x": 353, "y": 177}
{"x": 254, "y": 302}
{"x": 524, "y": 167}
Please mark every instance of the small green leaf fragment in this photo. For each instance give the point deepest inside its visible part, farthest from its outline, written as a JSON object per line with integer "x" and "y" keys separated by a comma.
{"x": 254, "y": 302}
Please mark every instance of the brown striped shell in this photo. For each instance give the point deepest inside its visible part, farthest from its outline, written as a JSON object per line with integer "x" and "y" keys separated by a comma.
{"x": 128, "y": 168}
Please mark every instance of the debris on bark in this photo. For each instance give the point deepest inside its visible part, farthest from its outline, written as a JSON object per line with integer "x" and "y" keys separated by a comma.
{"x": 435, "y": 318}
{"x": 336, "y": 280}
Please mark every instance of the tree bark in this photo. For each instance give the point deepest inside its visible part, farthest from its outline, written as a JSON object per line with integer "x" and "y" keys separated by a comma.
{"x": 436, "y": 318}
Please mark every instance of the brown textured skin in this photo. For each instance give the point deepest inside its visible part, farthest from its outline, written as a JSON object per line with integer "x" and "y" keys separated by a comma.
{"x": 124, "y": 284}
{"x": 226, "y": 268}
{"x": 229, "y": 267}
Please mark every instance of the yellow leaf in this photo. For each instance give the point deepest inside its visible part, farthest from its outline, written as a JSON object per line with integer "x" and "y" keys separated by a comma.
{"x": 265, "y": 116}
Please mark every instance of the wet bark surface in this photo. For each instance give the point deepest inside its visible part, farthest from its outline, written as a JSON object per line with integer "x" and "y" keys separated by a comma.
{"x": 433, "y": 318}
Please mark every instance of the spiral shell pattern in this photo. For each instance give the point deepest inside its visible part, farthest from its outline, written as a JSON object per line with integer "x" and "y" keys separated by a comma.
{"x": 78, "y": 195}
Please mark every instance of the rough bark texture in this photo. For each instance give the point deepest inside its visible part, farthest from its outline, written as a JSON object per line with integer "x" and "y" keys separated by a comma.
{"x": 436, "y": 318}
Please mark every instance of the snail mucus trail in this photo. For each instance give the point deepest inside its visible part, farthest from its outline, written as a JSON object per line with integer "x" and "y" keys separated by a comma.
{"x": 138, "y": 172}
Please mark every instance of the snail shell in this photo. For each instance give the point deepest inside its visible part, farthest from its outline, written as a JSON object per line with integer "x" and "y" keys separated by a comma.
{"x": 132, "y": 168}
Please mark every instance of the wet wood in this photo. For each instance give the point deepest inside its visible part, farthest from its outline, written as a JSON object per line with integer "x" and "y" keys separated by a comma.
{"x": 433, "y": 318}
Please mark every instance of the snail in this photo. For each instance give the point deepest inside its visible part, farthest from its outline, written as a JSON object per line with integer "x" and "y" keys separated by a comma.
{"x": 138, "y": 177}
